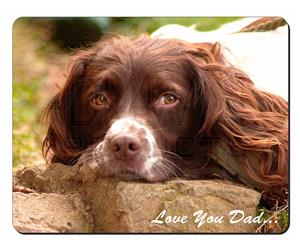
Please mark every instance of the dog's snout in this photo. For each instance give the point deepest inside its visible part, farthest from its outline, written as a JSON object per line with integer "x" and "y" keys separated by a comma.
{"x": 125, "y": 147}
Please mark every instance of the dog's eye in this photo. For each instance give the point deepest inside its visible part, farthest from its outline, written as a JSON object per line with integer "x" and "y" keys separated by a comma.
{"x": 99, "y": 100}
{"x": 167, "y": 99}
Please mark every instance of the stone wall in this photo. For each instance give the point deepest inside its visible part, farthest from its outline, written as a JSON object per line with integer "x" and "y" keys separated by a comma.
{"x": 71, "y": 199}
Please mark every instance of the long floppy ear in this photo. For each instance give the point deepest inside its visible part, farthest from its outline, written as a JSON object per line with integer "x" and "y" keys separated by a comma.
{"x": 62, "y": 141}
{"x": 248, "y": 120}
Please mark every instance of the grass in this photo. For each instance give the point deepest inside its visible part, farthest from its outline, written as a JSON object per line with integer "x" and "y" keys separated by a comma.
{"x": 275, "y": 220}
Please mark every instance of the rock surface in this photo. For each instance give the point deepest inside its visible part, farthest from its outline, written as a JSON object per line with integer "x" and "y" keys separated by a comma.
{"x": 51, "y": 213}
{"x": 120, "y": 206}
{"x": 67, "y": 199}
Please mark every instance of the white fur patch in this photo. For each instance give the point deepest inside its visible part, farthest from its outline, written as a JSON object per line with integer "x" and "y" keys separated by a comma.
{"x": 148, "y": 166}
{"x": 131, "y": 125}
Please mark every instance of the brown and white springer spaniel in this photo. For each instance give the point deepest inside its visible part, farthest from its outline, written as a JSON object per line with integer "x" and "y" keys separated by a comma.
{"x": 151, "y": 108}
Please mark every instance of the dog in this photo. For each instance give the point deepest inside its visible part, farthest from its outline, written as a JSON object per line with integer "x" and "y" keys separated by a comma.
{"x": 152, "y": 108}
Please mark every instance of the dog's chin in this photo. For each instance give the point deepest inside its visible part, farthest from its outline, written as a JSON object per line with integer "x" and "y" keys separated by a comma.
{"x": 148, "y": 170}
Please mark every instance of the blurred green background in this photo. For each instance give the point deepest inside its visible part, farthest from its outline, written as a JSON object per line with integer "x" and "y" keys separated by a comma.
{"x": 40, "y": 57}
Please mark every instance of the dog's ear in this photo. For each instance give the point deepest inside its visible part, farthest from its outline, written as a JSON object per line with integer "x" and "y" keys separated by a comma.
{"x": 246, "y": 118}
{"x": 62, "y": 141}
{"x": 205, "y": 60}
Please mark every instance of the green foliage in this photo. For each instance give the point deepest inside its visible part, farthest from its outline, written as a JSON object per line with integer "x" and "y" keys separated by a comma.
{"x": 29, "y": 74}
{"x": 133, "y": 25}
{"x": 278, "y": 214}
{"x": 24, "y": 102}
{"x": 25, "y": 125}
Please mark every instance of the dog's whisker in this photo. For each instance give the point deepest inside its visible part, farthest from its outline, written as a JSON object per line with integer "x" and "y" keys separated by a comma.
{"x": 171, "y": 153}
{"x": 158, "y": 168}
{"x": 164, "y": 166}
{"x": 177, "y": 167}
{"x": 78, "y": 154}
{"x": 87, "y": 159}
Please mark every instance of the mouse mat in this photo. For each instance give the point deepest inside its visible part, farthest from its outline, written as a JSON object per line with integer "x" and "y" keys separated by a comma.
{"x": 151, "y": 125}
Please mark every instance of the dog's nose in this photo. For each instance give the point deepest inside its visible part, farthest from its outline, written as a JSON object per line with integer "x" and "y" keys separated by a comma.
{"x": 125, "y": 147}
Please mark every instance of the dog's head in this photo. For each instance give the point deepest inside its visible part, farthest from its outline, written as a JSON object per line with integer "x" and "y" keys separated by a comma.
{"x": 143, "y": 106}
